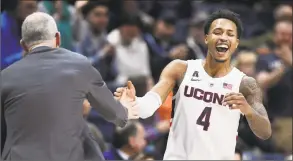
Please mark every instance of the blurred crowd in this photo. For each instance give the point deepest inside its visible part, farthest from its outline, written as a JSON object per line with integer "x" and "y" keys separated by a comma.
{"x": 135, "y": 40}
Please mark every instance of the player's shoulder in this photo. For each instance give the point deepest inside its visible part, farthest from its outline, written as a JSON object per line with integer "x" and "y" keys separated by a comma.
{"x": 184, "y": 63}
{"x": 247, "y": 80}
{"x": 176, "y": 68}
{"x": 248, "y": 84}
{"x": 178, "y": 62}
{"x": 237, "y": 74}
{"x": 177, "y": 65}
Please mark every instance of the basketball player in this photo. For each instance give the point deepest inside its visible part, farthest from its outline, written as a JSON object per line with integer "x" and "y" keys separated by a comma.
{"x": 211, "y": 97}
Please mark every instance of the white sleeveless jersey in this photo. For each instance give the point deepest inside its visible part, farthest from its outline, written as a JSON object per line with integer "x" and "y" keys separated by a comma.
{"x": 202, "y": 128}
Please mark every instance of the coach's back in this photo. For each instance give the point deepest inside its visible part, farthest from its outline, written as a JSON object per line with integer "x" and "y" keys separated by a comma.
{"x": 42, "y": 97}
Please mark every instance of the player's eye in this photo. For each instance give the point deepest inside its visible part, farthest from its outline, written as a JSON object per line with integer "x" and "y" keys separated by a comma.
{"x": 217, "y": 33}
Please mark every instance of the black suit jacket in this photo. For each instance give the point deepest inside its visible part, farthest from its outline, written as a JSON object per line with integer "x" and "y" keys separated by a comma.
{"x": 42, "y": 96}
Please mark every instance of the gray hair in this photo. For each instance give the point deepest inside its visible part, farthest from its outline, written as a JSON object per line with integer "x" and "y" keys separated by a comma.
{"x": 38, "y": 27}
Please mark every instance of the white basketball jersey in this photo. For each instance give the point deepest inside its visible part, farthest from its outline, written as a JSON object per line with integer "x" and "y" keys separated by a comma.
{"x": 202, "y": 128}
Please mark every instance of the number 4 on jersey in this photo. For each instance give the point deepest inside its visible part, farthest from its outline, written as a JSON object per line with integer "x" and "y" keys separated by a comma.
{"x": 204, "y": 118}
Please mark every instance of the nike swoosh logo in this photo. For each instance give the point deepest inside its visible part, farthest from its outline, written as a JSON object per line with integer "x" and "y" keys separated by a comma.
{"x": 195, "y": 79}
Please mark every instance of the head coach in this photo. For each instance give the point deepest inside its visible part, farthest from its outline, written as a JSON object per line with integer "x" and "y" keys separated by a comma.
{"x": 42, "y": 97}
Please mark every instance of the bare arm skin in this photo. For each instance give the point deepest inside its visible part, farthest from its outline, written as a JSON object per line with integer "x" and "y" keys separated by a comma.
{"x": 152, "y": 100}
{"x": 172, "y": 73}
{"x": 257, "y": 117}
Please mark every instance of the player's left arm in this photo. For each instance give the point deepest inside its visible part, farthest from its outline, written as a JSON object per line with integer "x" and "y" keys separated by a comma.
{"x": 249, "y": 101}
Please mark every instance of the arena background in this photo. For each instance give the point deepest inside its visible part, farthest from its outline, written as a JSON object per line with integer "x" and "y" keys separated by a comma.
{"x": 156, "y": 32}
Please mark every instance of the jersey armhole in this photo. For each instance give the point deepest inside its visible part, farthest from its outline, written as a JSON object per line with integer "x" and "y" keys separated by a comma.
{"x": 177, "y": 94}
{"x": 243, "y": 75}
{"x": 180, "y": 84}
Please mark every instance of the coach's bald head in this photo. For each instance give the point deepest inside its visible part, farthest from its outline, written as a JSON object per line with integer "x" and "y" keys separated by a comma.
{"x": 39, "y": 29}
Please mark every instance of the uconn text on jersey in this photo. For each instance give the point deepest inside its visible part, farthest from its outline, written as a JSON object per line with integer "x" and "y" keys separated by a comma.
{"x": 205, "y": 96}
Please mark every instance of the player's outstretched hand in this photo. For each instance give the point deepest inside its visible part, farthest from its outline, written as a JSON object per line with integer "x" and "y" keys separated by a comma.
{"x": 130, "y": 92}
{"x": 237, "y": 101}
{"x": 130, "y": 104}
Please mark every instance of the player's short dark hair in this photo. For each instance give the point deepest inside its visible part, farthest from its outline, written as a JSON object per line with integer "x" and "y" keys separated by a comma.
{"x": 226, "y": 14}
{"x": 121, "y": 136}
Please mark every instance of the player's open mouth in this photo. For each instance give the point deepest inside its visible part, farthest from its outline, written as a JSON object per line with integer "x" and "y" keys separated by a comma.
{"x": 222, "y": 48}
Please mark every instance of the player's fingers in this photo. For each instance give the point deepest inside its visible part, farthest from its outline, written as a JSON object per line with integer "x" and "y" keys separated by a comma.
{"x": 123, "y": 95}
{"x": 229, "y": 94}
{"x": 239, "y": 94}
{"x": 130, "y": 85}
{"x": 117, "y": 94}
{"x": 234, "y": 106}
{"x": 231, "y": 102}
{"x": 233, "y": 94}
{"x": 231, "y": 97}
{"x": 120, "y": 89}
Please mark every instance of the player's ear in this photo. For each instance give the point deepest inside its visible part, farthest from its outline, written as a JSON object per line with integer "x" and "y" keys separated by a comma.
{"x": 237, "y": 43}
{"x": 23, "y": 45}
{"x": 58, "y": 39}
{"x": 206, "y": 39}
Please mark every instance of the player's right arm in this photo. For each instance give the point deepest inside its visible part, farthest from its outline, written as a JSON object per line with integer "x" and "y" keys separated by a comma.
{"x": 153, "y": 99}
{"x": 173, "y": 72}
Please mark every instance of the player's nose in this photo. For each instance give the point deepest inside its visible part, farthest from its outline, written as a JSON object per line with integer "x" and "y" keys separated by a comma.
{"x": 223, "y": 39}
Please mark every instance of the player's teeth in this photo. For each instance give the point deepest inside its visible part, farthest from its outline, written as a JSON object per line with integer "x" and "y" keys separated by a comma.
{"x": 222, "y": 46}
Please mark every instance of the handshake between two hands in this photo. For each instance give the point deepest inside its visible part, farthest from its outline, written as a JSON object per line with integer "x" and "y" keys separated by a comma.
{"x": 126, "y": 96}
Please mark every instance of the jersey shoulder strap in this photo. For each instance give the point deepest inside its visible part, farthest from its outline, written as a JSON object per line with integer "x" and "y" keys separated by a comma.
{"x": 235, "y": 78}
{"x": 193, "y": 67}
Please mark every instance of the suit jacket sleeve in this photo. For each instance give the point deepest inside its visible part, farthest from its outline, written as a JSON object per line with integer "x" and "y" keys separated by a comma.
{"x": 3, "y": 123}
{"x": 101, "y": 98}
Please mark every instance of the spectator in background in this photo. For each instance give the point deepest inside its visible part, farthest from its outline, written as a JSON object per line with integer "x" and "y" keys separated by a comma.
{"x": 93, "y": 41}
{"x": 132, "y": 55}
{"x": 282, "y": 12}
{"x": 274, "y": 76}
{"x": 63, "y": 14}
{"x": 11, "y": 21}
{"x": 91, "y": 34}
{"x": 128, "y": 142}
{"x": 96, "y": 133}
{"x": 246, "y": 62}
{"x": 131, "y": 7}
{"x": 196, "y": 39}
{"x": 160, "y": 42}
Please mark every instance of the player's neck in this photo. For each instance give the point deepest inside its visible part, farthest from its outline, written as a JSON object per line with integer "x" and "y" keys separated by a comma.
{"x": 216, "y": 69}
